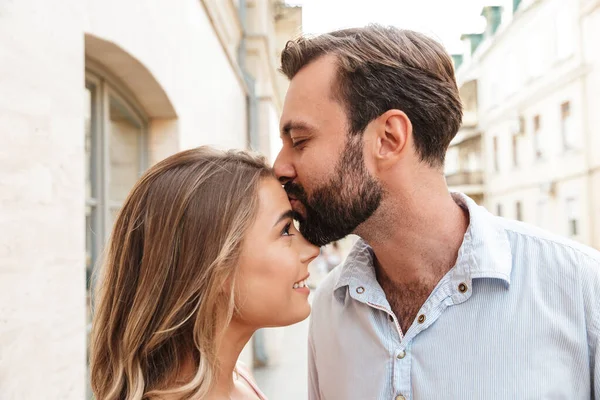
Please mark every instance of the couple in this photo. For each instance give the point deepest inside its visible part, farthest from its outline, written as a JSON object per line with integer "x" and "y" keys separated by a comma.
{"x": 439, "y": 299}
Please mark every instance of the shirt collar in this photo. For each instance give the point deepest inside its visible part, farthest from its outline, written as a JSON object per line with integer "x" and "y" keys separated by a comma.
{"x": 484, "y": 253}
{"x": 486, "y": 250}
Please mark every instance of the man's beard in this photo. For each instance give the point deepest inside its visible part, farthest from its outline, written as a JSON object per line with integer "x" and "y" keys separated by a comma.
{"x": 336, "y": 209}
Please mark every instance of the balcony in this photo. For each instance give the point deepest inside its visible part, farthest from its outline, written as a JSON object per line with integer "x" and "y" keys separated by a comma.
{"x": 464, "y": 178}
{"x": 467, "y": 182}
{"x": 470, "y": 118}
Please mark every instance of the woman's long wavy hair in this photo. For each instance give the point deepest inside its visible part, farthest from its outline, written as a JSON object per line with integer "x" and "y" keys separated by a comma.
{"x": 166, "y": 285}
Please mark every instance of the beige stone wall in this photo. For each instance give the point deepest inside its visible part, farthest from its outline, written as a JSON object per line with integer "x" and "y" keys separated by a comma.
{"x": 269, "y": 28}
{"x": 168, "y": 57}
{"x": 177, "y": 62}
{"x": 42, "y": 276}
{"x": 177, "y": 43}
{"x": 286, "y": 28}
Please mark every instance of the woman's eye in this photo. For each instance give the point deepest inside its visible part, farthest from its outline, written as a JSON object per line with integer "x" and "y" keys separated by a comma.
{"x": 286, "y": 230}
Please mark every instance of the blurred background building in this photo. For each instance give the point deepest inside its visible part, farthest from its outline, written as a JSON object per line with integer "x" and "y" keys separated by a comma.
{"x": 92, "y": 93}
{"x": 528, "y": 147}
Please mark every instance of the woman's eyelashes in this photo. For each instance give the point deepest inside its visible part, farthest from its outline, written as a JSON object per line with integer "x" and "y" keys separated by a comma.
{"x": 286, "y": 231}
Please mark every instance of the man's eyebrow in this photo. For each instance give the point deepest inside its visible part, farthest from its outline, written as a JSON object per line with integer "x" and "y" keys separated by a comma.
{"x": 294, "y": 125}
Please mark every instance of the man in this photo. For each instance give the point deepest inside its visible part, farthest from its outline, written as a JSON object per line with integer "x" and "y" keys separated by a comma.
{"x": 439, "y": 299}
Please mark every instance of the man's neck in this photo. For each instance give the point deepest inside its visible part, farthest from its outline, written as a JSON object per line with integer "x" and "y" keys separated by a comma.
{"x": 417, "y": 238}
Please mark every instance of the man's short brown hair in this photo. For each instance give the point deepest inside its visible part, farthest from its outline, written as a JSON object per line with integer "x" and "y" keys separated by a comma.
{"x": 383, "y": 68}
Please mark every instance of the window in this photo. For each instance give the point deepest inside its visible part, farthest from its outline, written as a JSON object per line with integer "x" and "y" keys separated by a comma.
{"x": 566, "y": 128}
{"x": 92, "y": 220}
{"x": 499, "y": 209}
{"x": 473, "y": 161}
{"x": 519, "y": 211}
{"x": 452, "y": 165}
{"x": 515, "y": 150}
{"x": 496, "y": 162}
{"x": 115, "y": 156}
{"x": 537, "y": 140}
{"x": 541, "y": 217}
{"x": 572, "y": 211}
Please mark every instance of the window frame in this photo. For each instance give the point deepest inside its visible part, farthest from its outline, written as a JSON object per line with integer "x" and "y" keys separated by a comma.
{"x": 537, "y": 136}
{"x": 566, "y": 126}
{"x": 573, "y": 219}
{"x": 105, "y": 86}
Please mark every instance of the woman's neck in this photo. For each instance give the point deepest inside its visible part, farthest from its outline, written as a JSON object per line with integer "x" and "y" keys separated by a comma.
{"x": 235, "y": 339}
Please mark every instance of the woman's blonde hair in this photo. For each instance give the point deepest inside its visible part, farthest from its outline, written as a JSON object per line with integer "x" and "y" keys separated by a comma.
{"x": 165, "y": 294}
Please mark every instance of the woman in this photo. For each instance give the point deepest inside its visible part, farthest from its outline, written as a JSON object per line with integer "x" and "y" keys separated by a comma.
{"x": 203, "y": 253}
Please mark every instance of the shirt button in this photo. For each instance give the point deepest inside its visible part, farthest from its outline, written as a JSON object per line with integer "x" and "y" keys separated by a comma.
{"x": 462, "y": 287}
{"x": 421, "y": 318}
{"x": 400, "y": 397}
{"x": 360, "y": 290}
{"x": 401, "y": 355}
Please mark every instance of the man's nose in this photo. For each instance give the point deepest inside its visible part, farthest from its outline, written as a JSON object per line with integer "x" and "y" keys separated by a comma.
{"x": 283, "y": 167}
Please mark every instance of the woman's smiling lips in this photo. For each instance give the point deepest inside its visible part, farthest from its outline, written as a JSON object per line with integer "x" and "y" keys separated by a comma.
{"x": 302, "y": 286}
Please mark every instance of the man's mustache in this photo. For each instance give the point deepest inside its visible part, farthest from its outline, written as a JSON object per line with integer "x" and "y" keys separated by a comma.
{"x": 295, "y": 191}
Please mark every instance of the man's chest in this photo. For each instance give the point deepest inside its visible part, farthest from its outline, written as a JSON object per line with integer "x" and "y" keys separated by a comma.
{"x": 496, "y": 356}
{"x": 406, "y": 301}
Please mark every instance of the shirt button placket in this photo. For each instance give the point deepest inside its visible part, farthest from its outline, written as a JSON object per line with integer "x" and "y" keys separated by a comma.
{"x": 402, "y": 365}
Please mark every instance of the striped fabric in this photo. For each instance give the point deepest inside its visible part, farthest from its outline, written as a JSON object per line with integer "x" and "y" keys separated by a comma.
{"x": 517, "y": 317}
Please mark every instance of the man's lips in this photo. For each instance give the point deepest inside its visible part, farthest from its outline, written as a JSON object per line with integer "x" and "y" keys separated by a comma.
{"x": 297, "y": 206}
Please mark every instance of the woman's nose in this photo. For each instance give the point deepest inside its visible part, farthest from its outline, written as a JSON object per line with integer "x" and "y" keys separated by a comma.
{"x": 309, "y": 251}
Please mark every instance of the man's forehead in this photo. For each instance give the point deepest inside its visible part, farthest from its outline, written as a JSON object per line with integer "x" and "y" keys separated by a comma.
{"x": 319, "y": 73}
{"x": 300, "y": 111}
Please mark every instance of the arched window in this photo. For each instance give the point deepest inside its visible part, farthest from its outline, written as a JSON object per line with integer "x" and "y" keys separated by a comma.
{"x": 115, "y": 156}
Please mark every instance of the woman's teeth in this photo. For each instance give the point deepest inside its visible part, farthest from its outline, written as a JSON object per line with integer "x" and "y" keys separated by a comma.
{"x": 300, "y": 284}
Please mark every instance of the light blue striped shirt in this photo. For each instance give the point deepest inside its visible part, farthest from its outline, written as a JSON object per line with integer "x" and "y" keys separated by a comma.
{"x": 517, "y": 317}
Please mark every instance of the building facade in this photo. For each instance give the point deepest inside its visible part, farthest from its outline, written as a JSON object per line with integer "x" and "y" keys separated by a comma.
{"x": 537, "y": 78}
{"x": 464, "y": 162}
{"x": 93, "y": 93}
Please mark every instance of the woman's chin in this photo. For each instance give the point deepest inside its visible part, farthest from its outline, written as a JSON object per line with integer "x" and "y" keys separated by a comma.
{"x": 299, "y": 314}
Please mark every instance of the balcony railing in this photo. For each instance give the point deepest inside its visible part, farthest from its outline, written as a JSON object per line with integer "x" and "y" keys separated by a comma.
{"x": 464, "y": 178}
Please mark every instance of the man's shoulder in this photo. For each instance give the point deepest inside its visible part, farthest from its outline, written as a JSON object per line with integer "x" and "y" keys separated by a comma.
{"x": 326, "y": 287}
{"x": 338, "y": 278}
{"x": 531, "y": 241}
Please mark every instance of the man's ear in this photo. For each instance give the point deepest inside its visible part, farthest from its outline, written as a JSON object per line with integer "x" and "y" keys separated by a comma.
{"x": 393, "y": 135}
